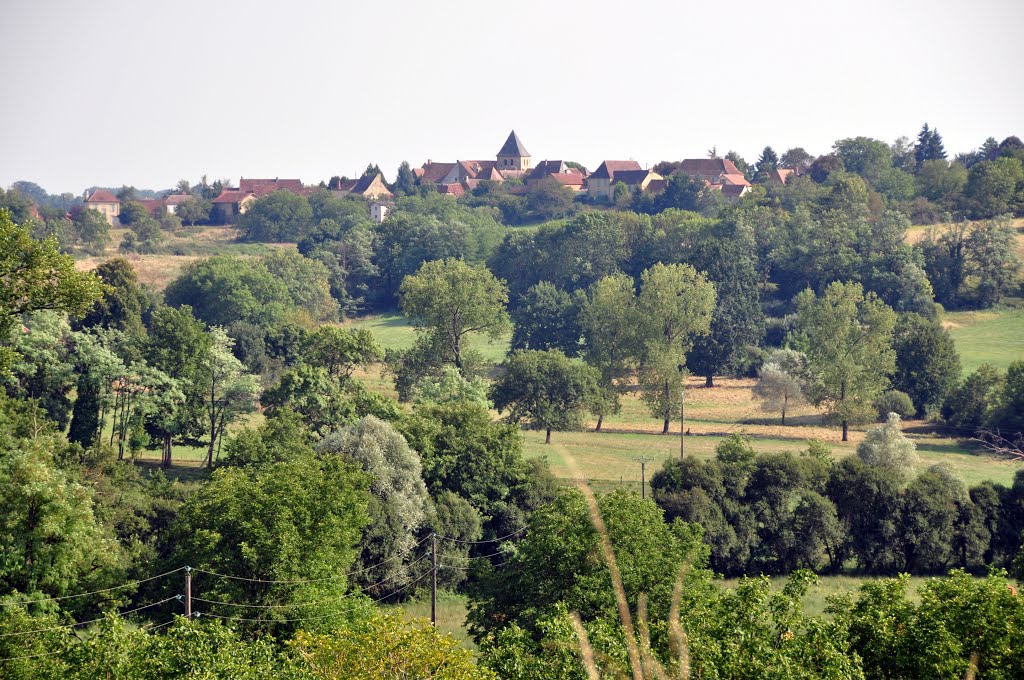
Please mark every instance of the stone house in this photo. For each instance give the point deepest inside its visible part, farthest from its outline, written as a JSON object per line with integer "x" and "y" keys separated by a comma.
{"x": 105, "y": 203}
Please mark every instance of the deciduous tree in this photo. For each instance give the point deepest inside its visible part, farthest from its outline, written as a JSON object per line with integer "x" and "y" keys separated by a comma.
{"x": 847, "y": 337}
{"x": 450, "y": 299}
{"x": 676, "y": 304}
{"x": 544, "y": 389}
{"x": 783, "y": 381}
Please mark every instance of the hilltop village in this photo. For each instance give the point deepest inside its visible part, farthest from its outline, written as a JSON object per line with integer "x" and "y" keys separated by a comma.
{"x": 513, "y": 167}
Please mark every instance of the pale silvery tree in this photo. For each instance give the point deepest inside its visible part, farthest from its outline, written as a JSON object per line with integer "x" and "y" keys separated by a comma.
{"x": 783, "y": 381}
{"x": 886, "y": 446}
{"x": 398, "y": 500}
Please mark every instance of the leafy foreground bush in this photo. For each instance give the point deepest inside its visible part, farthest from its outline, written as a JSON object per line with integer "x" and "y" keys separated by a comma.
{"x": 383, "y": 646}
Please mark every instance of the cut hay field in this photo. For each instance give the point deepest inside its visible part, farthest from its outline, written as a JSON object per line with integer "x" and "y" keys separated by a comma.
{"x": 178, "y": 250}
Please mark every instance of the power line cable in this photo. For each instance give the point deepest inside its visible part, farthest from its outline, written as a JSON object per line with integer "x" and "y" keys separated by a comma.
{"x": 79, "y": 640}
{"x": 314, "y": 580}
{"x": 471, "y": 566}
{"x": 94, "y": 592}
{"x": 490, "y": 540}
{"x": 315, "y": 618}
{"x": 85, "y": 623}
{"x": 476, "y": 557}
{"x": 303, "y": 604}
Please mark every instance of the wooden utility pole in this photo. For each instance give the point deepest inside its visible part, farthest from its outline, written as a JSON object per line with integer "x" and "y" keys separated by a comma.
{"x": 643, "y": 476}
{"x": 433, "y": 582}
{"x": 188, "y": 592}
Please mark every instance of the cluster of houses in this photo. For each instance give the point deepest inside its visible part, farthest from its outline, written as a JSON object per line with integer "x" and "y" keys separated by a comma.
{"x": 513, "y": 162}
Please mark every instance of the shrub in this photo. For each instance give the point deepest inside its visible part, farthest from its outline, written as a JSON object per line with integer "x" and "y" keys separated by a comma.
{"x": 896, "y": 402}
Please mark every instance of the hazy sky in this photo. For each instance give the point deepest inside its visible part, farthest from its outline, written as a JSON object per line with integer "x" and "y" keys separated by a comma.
{"x": 146, "y": 93}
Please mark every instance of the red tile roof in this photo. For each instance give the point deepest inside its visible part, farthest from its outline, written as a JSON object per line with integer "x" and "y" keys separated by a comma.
{"x": 707, "y": 167}
{"x": 547, "y": 168}
{"x": 567, "y": 178}
{"x": 780, "y": 175}
{"x": 451, "y": 189}
{"x": 608, "y": 169}
{"x": 735, "y": 179}
{"x": 154, "y": 206}
{"x": 102, "y": 196}
{"x": 262, "y": 187}
{"x": 435, "y": 172}
{"x": 631, "y": 176}
{"x": 734, "y": 190}
{"x": 232, "y": 196}
{"x": 177, "y": 199}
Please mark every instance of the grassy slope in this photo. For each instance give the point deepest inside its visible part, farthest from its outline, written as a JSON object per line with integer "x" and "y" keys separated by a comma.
{"x": 992, "y": 336}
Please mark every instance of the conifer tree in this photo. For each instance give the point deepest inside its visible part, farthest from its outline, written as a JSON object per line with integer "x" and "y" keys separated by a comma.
{"x": 85, "y": 417}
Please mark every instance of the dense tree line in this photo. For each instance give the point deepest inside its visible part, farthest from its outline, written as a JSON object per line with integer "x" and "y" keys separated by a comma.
{"x": 775, "y": 513}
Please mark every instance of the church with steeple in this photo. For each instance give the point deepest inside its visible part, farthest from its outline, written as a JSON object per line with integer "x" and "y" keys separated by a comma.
{"x": 513, "y": 162}
{"x": 513, "y": 155}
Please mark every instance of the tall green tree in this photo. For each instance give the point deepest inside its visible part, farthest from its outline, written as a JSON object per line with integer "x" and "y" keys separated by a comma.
{"x": 36, "y": 276}
{"x": 340, "y": 351}
{"x": 405, "y": 179}
{"x": 177, "y": 344}
{"x": 544, "y": 389}
{"x": 971, "y": 403}
{"x": 994, "y": 188}
{"x": 123, "y": 302}
{"x": 228, "y": 392}
{"x": 296, "y": 522}
{"x": 307, "y": 281}
{"x": 887, "y": 447}
{"x": 280, "y": 216}
{"x": 929, "y": 146}
{"x": 927, "y": 363}
{"x": 738, "y": 321}
{"x": 85, "y": 416}
{"x": 847, "y": 337}
{"x": 547, "y": 318}
{"x": 610, "y": 321}
{"x": 194, "y": 210}
{"x": 971, "y": 264}
{"x": 92, "y": 231}
{"x": 449, "y": 299}
{"x": 783, "y": 381}
{"x": 223, "y": 289}
{"x": 53, "y": 544}
{"x": 676, "y": 304}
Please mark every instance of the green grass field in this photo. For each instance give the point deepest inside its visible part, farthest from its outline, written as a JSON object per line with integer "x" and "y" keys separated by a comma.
{"x": 451, "y": 615}
{"x": 992, "y": 336}
{"x": 610, "y": 459}
{"x": 816, "y": 599}
{"x": 393, "y": 331}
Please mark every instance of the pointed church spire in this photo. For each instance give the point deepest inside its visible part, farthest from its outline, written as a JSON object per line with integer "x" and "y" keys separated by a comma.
{"x": 513, "y": 146}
